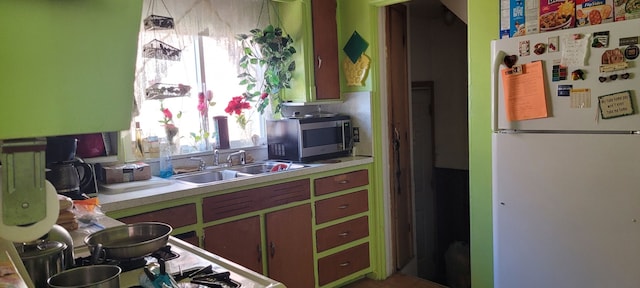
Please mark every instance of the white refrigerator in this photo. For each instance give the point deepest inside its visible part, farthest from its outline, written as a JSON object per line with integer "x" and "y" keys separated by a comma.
{"x": 566, "y": 186}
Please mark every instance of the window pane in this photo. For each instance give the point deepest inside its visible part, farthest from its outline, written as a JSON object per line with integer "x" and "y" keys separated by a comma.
{"x": 205, "y": 33}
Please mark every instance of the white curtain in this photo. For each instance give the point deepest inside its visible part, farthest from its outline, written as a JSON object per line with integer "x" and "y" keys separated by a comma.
{"x": 221, "y": 20}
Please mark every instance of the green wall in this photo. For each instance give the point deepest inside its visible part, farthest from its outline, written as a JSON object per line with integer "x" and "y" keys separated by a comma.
{"x": 483, "y": 25}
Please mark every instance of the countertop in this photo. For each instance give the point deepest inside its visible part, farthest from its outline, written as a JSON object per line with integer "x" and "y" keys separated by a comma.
{"x": 173, "y": 189}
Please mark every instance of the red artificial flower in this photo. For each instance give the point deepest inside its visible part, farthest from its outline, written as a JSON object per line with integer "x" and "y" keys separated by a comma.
{"x": 167, "y": 114}
{"x": 263, "y": 95}
{"x": 236, "y": 105}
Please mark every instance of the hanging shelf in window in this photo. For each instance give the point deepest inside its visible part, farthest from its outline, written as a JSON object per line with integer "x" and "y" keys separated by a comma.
{"x": 160, "y": 50}
{"x": 160, "y": 91}
{"x": 156, "y": 22}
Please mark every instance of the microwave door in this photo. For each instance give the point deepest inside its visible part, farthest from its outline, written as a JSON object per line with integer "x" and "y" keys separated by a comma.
{"x": 321, "y": 138}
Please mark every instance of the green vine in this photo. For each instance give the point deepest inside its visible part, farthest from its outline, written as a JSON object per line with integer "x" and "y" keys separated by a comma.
{"x": 270, "y": 51}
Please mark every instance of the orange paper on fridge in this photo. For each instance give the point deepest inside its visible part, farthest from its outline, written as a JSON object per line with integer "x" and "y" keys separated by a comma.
{"x": 524, "y": 92}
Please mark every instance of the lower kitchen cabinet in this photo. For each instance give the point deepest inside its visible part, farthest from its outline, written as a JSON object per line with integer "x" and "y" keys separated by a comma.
{"x": 289, "y": 251}
{"x": 290, "y": 242}
{"x": 238, "y": 241}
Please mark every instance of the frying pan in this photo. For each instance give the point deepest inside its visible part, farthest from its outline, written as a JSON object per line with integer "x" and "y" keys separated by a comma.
{"x": 130, "y": 241}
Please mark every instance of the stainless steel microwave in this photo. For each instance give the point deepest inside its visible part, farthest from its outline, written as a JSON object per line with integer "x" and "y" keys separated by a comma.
{"x": 309, "y": 139}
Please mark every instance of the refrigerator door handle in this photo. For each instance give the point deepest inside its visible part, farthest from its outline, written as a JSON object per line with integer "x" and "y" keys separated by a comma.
{"x": 498, "y": 58}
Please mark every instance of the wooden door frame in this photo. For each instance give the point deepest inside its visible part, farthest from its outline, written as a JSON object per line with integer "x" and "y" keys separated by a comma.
{"x": 405, "y": 136}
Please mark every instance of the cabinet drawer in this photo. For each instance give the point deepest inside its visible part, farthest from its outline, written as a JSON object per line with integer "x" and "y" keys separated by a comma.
{"x": 280, "y": 194}
{"x": 231, "y": 204}
{"x": 236, "y": 203}
{"x": 178, "y": 216}
{"x": 340, "y": 182}
{"x": 341, "y": 264}
{"x": 341, "y": 206}
{"x": 336, "y": 235}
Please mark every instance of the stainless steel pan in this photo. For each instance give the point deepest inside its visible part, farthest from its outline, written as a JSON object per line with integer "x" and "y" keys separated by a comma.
{"x": 130, "y": 241}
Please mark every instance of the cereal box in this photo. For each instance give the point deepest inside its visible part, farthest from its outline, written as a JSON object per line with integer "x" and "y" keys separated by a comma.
{"x": 593, "y": 12}
{"x": 556, "y": 14}
{"x": 518, "y": 17}
{"x": 626, "y": 9}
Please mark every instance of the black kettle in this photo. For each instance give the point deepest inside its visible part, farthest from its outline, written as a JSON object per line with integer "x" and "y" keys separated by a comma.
{"x": 70, "y": 177}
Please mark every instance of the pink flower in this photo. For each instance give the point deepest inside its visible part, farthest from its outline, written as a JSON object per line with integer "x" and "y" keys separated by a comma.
{"x": 204, "y": 101}
{"x": 203, "y": 106}
{"x": 263, "y": 95}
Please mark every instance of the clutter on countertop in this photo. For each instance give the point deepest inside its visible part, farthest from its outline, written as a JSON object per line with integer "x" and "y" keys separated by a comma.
{"x": 66, "y": 217}
{"x": 87, "y": 211}
{"x": 125, "y": 173}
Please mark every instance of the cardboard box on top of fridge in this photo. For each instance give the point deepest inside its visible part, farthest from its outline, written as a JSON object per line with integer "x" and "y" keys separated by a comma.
{"x": 626, "y": 9}
{"x": 556, "y": 14}
{"x": 517, "y": 27}
{"x": 593, "y": 12}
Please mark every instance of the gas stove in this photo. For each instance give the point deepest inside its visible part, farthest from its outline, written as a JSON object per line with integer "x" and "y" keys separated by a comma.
{"x": 190, "y": 258}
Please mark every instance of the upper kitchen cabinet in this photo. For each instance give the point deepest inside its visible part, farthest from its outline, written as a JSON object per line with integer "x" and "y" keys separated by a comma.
{"x": 325, "y": 49}
{"x": 313, "y": 26}
{"x": 67, "y": 66}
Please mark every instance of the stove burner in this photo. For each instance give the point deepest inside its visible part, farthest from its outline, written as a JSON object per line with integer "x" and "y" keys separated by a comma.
{"x": 165, "y": 253}
{"x": 133, "y": 263}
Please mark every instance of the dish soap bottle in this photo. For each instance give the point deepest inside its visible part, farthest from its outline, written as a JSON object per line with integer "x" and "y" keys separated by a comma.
{"x": 166, "y": 168}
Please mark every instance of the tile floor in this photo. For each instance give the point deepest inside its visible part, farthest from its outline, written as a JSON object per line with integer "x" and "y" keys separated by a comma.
{"x": 395, "y": 281}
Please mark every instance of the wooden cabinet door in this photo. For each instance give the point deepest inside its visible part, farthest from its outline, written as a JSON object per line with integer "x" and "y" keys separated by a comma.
{"x": 238, "y": 241}
{"x": 290, "y": 246}
{"x": 325, "y": 49}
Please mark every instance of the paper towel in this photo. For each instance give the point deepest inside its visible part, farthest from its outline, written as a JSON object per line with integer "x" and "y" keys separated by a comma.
{"x": 38, "y": 229}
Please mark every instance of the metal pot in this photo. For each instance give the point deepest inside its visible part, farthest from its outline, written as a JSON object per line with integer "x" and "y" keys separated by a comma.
{"x": 58, "y": 233}
{"x": 42, "y": 259}
{"x": 96, "y": 276}
{"x": 130, "y": 241}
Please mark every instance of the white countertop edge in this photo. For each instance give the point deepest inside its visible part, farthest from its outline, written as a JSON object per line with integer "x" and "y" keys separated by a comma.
{"x": 179, "y": 190}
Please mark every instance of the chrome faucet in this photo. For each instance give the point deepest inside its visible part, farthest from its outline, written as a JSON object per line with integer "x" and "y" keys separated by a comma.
{"x": 202, "y": 165}
{"x": 216, "y": 157}
{"x": 240, "y": 153}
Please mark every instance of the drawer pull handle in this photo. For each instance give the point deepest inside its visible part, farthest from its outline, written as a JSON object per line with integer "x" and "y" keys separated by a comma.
{"x": 344, "y": 234}
{"x": 343, "y": 206}
{"x": 345, "y": 264}
{"x": 343, "y": 182}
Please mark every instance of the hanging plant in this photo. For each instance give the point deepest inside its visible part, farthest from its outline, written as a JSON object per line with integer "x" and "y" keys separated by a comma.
{"x": 268, "y": 52}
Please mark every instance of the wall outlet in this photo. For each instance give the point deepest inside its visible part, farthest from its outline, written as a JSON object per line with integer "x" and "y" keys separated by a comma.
{"x": 356, "y": 134}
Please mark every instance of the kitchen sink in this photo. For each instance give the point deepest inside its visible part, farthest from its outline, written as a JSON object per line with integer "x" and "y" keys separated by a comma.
{"x": 218, "y": 174}
{"x": 267, "y": 167}
{"x": 205, "y": 177}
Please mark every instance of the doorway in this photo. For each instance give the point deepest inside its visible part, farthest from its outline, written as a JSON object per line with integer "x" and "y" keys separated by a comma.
{"x": 437, "y": 139}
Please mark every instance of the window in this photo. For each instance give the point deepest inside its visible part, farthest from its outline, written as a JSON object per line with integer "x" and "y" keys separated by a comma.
{"x": 207, "y": 63}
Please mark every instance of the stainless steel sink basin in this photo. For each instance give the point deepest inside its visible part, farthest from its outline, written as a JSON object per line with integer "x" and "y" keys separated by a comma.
{"x": 205, "y": 177}
{"x": 267, "y": 167}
